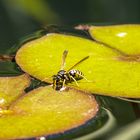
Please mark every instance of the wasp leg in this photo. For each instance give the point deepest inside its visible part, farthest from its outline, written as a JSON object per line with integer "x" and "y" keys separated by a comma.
{"x": 75, "y": 81}
{"x": 54, "y": 84}
{"x": 63, "y": 86}
{"x": 83, "y": 77}
{"x": 63, "y": 83}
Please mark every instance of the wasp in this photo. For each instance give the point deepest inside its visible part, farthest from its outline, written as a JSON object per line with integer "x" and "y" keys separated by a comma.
{"x": 64, "y": 77}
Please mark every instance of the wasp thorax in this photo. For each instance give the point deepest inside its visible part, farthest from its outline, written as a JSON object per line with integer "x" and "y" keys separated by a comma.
{"x": 58, "y": 80}
{"x": 61, "y": 73}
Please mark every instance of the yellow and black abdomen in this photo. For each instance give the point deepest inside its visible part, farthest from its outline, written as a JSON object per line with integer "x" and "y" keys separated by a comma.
{"x": 76, "y": 74}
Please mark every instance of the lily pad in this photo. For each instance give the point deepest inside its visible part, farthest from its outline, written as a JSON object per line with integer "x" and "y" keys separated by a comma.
{"x": 106, "y": 69}
{"x": 45, "y": 111}
{"x": 12, "y": 88}
{"x": 125, "y": 38}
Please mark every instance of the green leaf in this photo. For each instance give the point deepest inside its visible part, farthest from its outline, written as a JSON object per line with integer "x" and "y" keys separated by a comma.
{"x": 8, "y": 68}
{"x": 125, "y": 38}
{"x": 11, "y": 88}
{"x": 44, "y": 111}
{"x": 106, "y": 70}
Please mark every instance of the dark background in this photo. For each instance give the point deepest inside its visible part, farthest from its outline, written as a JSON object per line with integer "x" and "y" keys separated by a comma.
{"x": 19, "y": 18}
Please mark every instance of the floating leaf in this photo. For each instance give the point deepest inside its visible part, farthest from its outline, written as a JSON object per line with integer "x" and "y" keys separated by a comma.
{"x": 108, "y": 71}
{"x": 122, "y": 37}
{"x": 45, "y": 111}
{"x": 12, "y": 88}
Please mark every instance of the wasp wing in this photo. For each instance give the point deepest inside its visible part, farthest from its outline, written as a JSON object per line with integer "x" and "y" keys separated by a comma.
{"x": 63, "y": 59}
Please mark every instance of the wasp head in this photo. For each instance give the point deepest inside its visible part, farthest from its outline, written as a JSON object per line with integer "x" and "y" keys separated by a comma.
{"x": 57, "y": 82}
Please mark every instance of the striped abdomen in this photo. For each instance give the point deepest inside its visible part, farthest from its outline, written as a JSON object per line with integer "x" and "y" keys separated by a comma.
{"x": 76, "y": 74}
